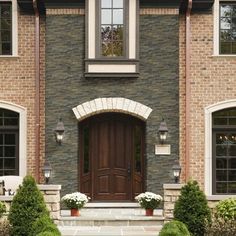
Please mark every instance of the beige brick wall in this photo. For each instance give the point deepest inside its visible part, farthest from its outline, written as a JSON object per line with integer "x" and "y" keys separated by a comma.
{"x": 212, "y": 80}
{"x": 17, "y": 80}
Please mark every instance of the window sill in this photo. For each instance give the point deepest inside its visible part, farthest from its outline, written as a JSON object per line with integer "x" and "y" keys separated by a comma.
{"x": 219, "y": 197}
{"x": 111, "y": 75}
{"x": 9, "y": 56}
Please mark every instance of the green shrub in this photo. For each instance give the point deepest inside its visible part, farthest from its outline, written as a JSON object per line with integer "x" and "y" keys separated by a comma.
{"x": 226, "y": 209}
{"x": 27, "y": 205}
{"x": 2, "y": 209}
{"x": 219, "y": 227}
{"x": 191, "y": 208}
{"x": 174, "y": 228}
{"x": 4, "y": 227}
{"x": 45, "y": 224}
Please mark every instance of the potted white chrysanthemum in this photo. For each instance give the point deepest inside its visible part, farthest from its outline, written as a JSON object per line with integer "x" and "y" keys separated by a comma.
{"x": 75, "y": 201}
{"x": 149, "y": 201}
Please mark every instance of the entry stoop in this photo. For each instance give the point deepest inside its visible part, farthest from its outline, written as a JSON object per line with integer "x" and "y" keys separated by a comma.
{"x": 112, "y": 220}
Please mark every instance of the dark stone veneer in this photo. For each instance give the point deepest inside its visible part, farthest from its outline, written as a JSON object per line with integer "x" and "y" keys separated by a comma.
{"x": 156, "y": 87}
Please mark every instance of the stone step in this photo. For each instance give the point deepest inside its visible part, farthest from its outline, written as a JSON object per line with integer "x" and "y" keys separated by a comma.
{"x": 95, "y": 217}
{"x": 110, "y": 230}
{"x": 112, "y": 205}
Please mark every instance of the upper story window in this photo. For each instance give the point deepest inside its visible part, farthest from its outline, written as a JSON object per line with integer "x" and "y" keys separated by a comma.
{"x": 8, "y": 28}
{"x": 111, "y": 38}
{"x": 5, "y": 28}
{"x": 227, "y": 28}
{"x": 112, "y": 28}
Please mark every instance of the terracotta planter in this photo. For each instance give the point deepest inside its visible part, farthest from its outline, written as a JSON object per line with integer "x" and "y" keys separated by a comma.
{"x": 74, "y": 212}
{"x": 149, "y": 212}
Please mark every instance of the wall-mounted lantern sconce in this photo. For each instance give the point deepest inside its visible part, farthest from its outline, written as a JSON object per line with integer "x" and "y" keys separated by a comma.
{"x": 176, "y": 171}
{"x": 47, "y": 170}
{"x": 59, "y": 131}
{"x": 163, "y": 131}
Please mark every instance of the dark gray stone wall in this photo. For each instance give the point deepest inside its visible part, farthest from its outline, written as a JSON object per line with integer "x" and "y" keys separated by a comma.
{"x": 156, "y": 87}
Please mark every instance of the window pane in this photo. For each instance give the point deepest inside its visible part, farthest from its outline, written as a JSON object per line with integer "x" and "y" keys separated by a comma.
{"x": 6, "y": 36}
{"x": 11, "y": 121}
{"x": 106, "y": 17}
{"x": 1, "y": 151}
{"x": 107, "y": 49}
{"x": 118, "y": 16}
{"x": 221, "y": 163}
{"x": 1, "y": 139}
{"x": 106, "y": 3}
{"x": 232, "y": 187}
{"x": 221, "y": 150}
{"x": 221, "y": 187}
{"x": 232, "y": 175}
{"x": 221, "y": 175}
{"x": 118, "y": 4}
{"x": 225, "y": 35}
{"x": 8, "y": 114}
{"x": 225, "y": 48}
{"x": 232, "y": 121}
{"x": 10, "y": 172}
{"x": 118, "y": 48}
{"x": 106, "y": 33}
{"x": 9, "y": 163}
{"x": 220, "y": 121}
{"x": 10, "y": 151}
{"x": 1, "y": 163}
{"x": 225, "y": 10}
{"x": 6, "y": 48}
{"x": 10, "y": 139}
{"x": 220, "y": 138}
{"x": 232, "y": 163}
{"x": 117, "y": 32}
{"x": 6, "y": 24}
{"x": 225, "y": 23}
{"x": 232, "y": 150}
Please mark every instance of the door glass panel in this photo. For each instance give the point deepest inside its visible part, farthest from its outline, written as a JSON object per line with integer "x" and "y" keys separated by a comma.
{"x": 137, "y": 148}
{"x": 86, "y": 150}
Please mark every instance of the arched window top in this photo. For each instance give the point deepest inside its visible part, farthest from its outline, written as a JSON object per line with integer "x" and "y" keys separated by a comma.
{"x": 225, "y": 117}
{"x": 8, "y": 118}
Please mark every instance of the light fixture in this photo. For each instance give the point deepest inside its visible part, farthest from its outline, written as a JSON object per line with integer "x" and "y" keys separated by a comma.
{"x": 163, "y": 131}
{"x": 47, "y": 170}
{"x": 176, "y": 171}
{"x": 59, "y": 131}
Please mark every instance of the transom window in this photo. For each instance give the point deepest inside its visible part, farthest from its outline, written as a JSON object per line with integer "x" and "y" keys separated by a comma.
{"x": 112, "y": 28}
{"x": 224, "y": 151}
{"x": 227, "y": 28}
{"x": 9, "y": 142}
{"x": 5, "y": 28}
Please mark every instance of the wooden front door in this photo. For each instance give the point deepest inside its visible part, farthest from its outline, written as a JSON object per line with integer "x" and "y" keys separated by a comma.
{"x": 111, "y": 152}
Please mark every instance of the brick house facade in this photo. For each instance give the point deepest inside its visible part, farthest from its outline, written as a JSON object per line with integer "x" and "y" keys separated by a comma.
{"x": 144, "y": 86}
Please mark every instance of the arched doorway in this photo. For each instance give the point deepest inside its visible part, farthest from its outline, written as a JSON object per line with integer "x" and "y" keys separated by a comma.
{"x": 111, "y": 151}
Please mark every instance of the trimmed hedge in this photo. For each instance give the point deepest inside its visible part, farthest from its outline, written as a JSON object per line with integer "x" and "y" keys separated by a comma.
{"x": 174, "y": 228}
{"x": 191, "y": 208}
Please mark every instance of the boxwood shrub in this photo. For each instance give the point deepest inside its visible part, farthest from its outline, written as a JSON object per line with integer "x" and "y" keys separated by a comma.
{"x": 191, "y": 208}
{"x": 174, "y": 228}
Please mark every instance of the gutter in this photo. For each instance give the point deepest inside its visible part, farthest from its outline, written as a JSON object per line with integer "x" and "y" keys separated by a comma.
{"x": 37, "y": 91}
{"x": 187, "y": 90}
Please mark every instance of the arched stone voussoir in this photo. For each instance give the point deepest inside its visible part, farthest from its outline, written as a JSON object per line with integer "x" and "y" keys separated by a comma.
{"x": 115, "y": 104}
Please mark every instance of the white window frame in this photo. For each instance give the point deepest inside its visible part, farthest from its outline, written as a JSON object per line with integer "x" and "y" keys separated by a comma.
{"x": 208, "y": 146}
{"x": 14, "y": 28}
{"x": 22, "y": 134}
{"x": 216, "y": 22}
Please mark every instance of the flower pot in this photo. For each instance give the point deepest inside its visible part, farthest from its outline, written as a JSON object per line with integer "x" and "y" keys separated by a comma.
{"x": 74, "y": 212}
{"x": 149, "y": 212}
